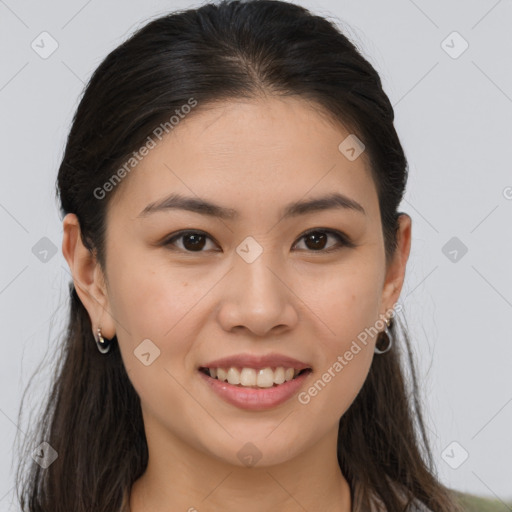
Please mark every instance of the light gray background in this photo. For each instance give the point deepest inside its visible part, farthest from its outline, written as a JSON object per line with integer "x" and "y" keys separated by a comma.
{"x": 454, "y": 119}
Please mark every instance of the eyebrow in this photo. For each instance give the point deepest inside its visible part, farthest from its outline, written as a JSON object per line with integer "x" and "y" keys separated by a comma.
{"x": 203, "y": 207}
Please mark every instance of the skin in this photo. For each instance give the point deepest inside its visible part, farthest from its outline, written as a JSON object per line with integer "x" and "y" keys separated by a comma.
{"x": 254, "y": 156}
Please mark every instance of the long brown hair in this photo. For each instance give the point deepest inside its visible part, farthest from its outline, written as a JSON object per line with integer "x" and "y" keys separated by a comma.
{"x": 232, "y": 49}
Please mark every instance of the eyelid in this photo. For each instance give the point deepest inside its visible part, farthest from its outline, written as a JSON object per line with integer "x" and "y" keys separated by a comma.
{"x": 343, "y": 239}
{"x": 168, "y": 241}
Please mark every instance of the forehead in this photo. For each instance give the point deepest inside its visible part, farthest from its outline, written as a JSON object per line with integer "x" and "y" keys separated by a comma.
{"x": 248, "y": 155}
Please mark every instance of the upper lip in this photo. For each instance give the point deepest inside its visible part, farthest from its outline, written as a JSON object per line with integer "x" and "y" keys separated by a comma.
{"x": 256, "y": 362}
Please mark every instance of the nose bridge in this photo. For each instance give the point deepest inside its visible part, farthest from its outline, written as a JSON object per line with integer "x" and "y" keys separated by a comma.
{"x": 255, "y": 269}
{"x": 256, "y": 296}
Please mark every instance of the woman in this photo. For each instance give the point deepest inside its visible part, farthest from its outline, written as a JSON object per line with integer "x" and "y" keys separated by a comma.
{"x": 229, "y": 193}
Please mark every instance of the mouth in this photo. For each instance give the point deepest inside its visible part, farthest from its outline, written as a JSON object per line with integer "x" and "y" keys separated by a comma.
{"x": 260, "y": 387}
{"x": 262, "y": 378}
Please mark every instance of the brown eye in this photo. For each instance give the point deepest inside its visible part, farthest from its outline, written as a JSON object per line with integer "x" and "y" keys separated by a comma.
{"x": 316, "y": 240}
{"x": 192, "y": 241}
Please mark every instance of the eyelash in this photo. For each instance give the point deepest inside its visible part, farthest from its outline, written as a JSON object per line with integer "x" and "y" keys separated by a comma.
{"x": 343, "y": 239}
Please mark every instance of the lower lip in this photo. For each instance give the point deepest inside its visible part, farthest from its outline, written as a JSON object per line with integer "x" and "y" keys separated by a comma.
{"x": 255, "y": 399}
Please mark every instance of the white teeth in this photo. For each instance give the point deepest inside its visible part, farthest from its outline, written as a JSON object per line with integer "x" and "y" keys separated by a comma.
{"x": 279, "y": 375}
{"x": 265, "y": 378}
{"x": 288, "y": 374}
{"x": 233, "y": 376}
{"x": 249, "y": 377}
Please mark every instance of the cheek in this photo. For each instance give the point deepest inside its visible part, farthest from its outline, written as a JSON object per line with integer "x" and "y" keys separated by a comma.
{"x": 346, "y": 303}
{"x": 148, "y": 300}
{"x": 347, "y": 307}
{"x": 155, "y": 305}
{"x": 160, "y": 304}
{"x": 345, "y": 355}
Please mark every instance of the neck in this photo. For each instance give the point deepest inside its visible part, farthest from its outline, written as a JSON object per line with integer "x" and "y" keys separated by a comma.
{"x": 182, "y": 478}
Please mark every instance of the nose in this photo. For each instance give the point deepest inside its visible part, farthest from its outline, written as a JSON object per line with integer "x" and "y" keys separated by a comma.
{"x": 256, "y": 296}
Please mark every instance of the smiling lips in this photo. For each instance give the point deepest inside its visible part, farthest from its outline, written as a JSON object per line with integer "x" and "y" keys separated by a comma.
{"x": 254, "y": 371}
{"x": 255, "y": 382}
{"x": 250, "y": 377}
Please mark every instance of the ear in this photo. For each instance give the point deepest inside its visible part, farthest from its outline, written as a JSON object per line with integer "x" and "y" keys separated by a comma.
{"x": 395, "y": 272}
{"x": 88, "y": 277}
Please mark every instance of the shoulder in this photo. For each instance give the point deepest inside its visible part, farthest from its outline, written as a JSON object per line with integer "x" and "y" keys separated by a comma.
{"x": 360, "y": 503}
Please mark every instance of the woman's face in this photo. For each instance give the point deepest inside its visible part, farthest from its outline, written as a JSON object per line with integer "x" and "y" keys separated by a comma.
{"x": 252, "y": 283}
